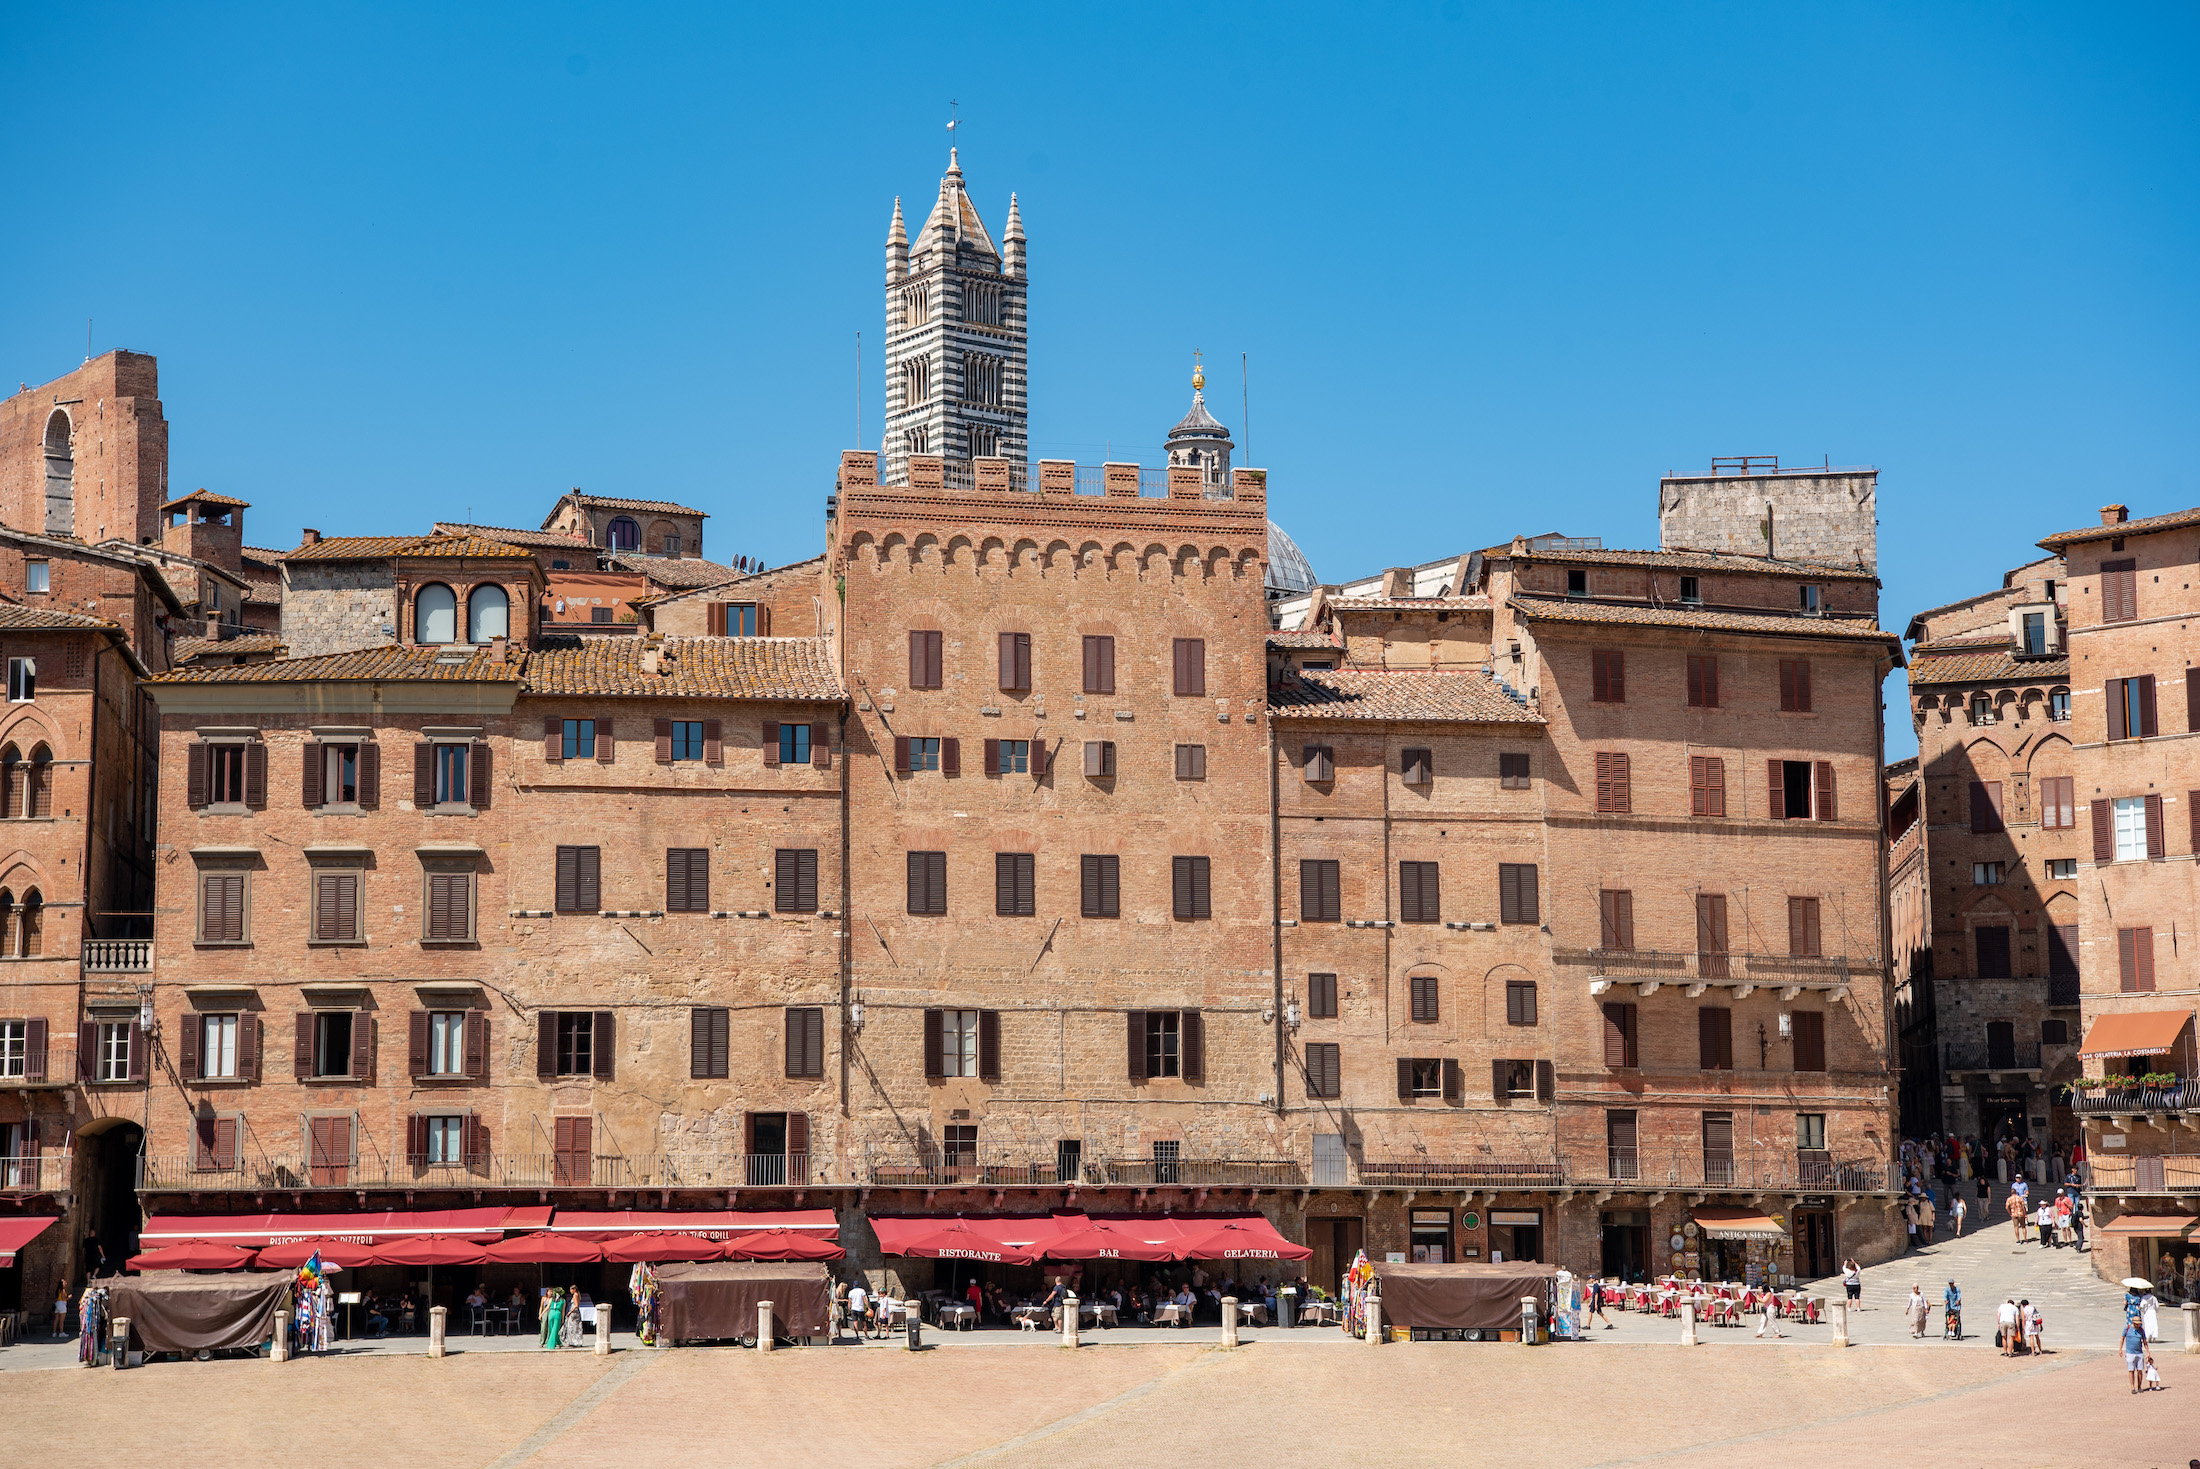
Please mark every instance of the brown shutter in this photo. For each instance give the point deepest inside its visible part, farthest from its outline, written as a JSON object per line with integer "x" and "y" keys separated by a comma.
{"x": 1500, "y": 1081}
{"x": 1405, "y": 1079}
{"x": 309, "y": 766}
{"x": 1195, "y": 667}
{"x": 187, "y": 1061}
{"x": 714, "y": 749}
{"x": 1092, "y": 664}
{"x": 1828, "y": 808}
{"x": 901, "y": 754}
{"x": 87, "y": 1051}
{"x": 1810, "y": 1040}
{"x": 362, "y": 1045}
{"x": 916, "y": 660}
{"x": 1775, "y": 790}
{"x": 553, "y": 737}
{"x": 771, "y": 742}
{"x": 792, "y": 1047}
{"x": 933, "y": 672}
{"x": 821, "y": 746}
{"x": 1619, "y": 1035}
{"x": 588, "y": 883}
{"x": 194, "y": 776}
{"x": 1454, "y": 1084}
{"x": 951, "y": 756}
{"x": 798, "y": 1147}
{"x": 2118, "y": 709}
{"x": 992, "y": 757}
{"x": 606, "y": 743}
{"x": 477, "y": 1044}
{"x": 1623, "y": 796}
{"x": 1088, "y": 885}
{"x": 480, "y": 780}
{"x": 1137, "y": 1030}
{"x": 2147, "y": 724}
{"x": 2192, "y": 811}
{"x": 568, "y": 880}
{"x": 2142, "y": 945}
{"x": 1107, "y": 665}
{"x": 663, "y": 728}
{"x": 34, "y": 1046}
{"x": 424, "y": 775}
{"x": 416, "y": 1044}
{"x": 932, "y": 1044}
{"x": 989, "y": 1045}
{"x": 255, "y": 775}
{"x": 546, "y": 1044}
{"x": 1616, "y": 676}
{"x": 715, "y": 613}
{"x": 1695, "y": 681}
{"x": 601, "y": 1043}
{"x": 301, "y": 1058}
{"x": 416, "y": 1139}
{"x": 1546, "y": 1081}
{"x": 2192, "y": 700}
{"x": 676, "y": 879}
{"x": 2156, "y": 845}
{"x": 1604, "y": 781}
{"x": 370, "y": 775}
{"x": 1802, "y": 685}
{"x": 2104, "y": 841}
{"x": 1192, "y": 1045}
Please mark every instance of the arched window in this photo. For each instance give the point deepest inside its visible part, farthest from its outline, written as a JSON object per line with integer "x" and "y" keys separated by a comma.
{"x": 60, "y": 477}
{"x": 914, "y": 440}
{"x": 7, "y": 923}
{"x": 1982, "y": 709}
{"x": 11, "y": 782}
{"x": 916, "y": 382}
{"x": 38, "y": 788}
{"x": 435, "y": 614}
{"x": 488, "y": 614}
{"x": 624, "y": 534}
{"x": 31, "y": 931}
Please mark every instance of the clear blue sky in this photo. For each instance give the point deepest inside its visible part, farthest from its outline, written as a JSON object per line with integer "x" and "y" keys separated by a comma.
{"x": 1496, "y": 268}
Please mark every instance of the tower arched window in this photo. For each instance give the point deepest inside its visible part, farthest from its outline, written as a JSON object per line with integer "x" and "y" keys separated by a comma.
{"x": 11, "y": 782}
{"x": 435, "y": 614}
{"x": 488, "y": 614}
{"x": 60, "y": 477}
{"x": 916, "y": 440}
{"x": 8, "y": 915}
{"x": 623, "y": 534}
{"x": 916, "y": 382}
{"x": 30, "y": 927}
{"x": 916, "y": 306}
{"x": 38, "y": 783}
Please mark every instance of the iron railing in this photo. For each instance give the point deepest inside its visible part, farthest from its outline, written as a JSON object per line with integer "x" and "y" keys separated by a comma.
{"x": 1481, "y": 1172}
{"x": 2062, "y": 991}
{"x": 36, "y": 1173}
{"x": 1196, "y": 1172}
{"x": 2161, "y": 1173}
{"x": 198, "y": 1172}
{"x": 937, "y": 1167}
{"x": 1683, "y": 966}
{"x": 1984, "y": 1056}
{"x": 118, "y": 956}
{"x": 1795, "y": 1170}
{"x": 2135, "y": 1099}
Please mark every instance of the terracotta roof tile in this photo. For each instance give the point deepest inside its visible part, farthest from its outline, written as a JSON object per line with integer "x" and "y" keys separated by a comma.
{"x": 1567, "y": 609}
{"x": 2170, "y": 521}
{"x": 738, "y": 576}
{"x": 1410, "y": 604}
{"x": 207, "y": 497}
{"x": 616, "y": 502}
{"x": 185, "y": 650}
{"x": 1928, "y": 667}
{"x": 724, "y": 668}
{"x": 385, "y": 664}
{"x": 561, "y": 540}
{"x": 14, "y": 617}
{"x": 679, "y": 571}
{"x": 1467, "y": 695}
{"x": 1696, "y": 561}
{"x": 1304, "y": 640}
{"x": 377, "y": 548}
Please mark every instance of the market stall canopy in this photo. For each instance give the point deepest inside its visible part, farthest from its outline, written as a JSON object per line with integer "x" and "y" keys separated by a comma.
{"x": 718, "y": 1300}
{"x": 336, "y": 1254}
{"x": 999, "y": 1238}
{"x": 1249, "y": 1238}
{"x": 16, "y": 1233}
{"x": 780, "y": 1244}
{"x": 194, "y": 1257}
{"x": 2151, "y": 1226}
{"x": 1738, "y": 1224}
{"x": 188, "y": 1313}
{"x": 249, "y": 1230}
{"x": 430, "y": 1250}
{"x": 1476, "y": 1295}
{"x": 542, "y": 1248}
{"x": 718, "y": 1224}
{"x": 2135, "y": 1033}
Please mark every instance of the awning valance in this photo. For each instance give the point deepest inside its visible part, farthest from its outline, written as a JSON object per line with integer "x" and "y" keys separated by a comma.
{"x": 18, "y": 1232}
{"x": 251, "y": 1230}
{"x": 1019, "y": 1239}
{"x": 2135, "y": 1033}
{"x": 2151, "y": 1226}
{"x": 719, "y": 1224}
{"x": 1737, "y": 1224}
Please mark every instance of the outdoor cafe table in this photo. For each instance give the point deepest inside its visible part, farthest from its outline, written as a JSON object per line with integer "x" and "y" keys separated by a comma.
{"x": 954, "y": 1315}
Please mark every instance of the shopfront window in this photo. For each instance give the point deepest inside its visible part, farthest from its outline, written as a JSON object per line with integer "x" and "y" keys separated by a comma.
{"x": 1431, "y": 1239}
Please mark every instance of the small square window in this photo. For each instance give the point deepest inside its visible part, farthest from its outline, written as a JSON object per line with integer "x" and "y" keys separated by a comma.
{"x": 1810, "y": 1132}
{"x": 924, "y": 754}
{"x": 22, "y": 680}
{"x": 599, "y": 614}
{"x": 580, "y": 739}
{"x": 2062, "y": 867}
{"x": 1690, "y": 591}
{"x": 1512, "y": 772}
{"x": 1428, "y": 1078}
{"x": 36, "y": 577}
{"x": 2058, "y": 704}
{"x": 794, "y": 744}
{"x": 1808, "y": 597}
{"x": 1015, "y": 757}
{"x": 1986, "y": 874}
{"x": 1577, "y": 583}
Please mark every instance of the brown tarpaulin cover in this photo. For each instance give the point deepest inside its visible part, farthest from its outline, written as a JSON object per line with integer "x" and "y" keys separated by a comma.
{"x": 1476, "y": 1295}
{"x": 180, "y": 1312}
{"x": 715, "y": 1299}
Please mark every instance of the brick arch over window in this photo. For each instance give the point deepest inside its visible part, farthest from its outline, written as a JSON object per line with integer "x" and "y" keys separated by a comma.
{"x": 60, "y": 474}
{"x": 435, "y": 614}
{"x": 38, "y": 781}
{"x": 623, "y": 534}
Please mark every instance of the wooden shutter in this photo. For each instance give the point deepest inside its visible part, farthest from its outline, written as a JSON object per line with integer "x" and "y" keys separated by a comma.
{"x": 606, "y": 742}
{"x": 933, "y": 673}
{"x": 546, "y": 1044}
{"x": 771, "y": 742}
{"x": 1191, "y": 667}
{"x": 2192, "y": 700}
{"x": 477, "y": 1044}
{"x": 2192, "y": 811}
{"x": 2119, "y": 718}
{"x": 301, "y": 1057}
{"x": 416, "y": 1139}
{"x": 1405, "y": 1079}
{"x": 188, "y": 1027}
{"x": 87, "y": 1051}
{"x": 1619, "y": 1035}
{"x": 1137, "y": 1030}
{"x": 2148, "y": 726}
{"x": 1546, "y": 1081}
{"x": 1776, "y": 789}
{"x": 1424, "y": 999}
{"x": 600, "y": 1047}
{"x": 1409, "y": 892}
{"x": 370, "y": 776}
{"x": 1320, "y": 762}
{"x": 1608, "y": 678}
{"x": 916, "y": 660}
{"x": 1711, "y": 1033}
{"x": 2104, "y": 839}
{"x": 1695, "y": 681}
{"x": 255, "y": 775}
{"x": 798, "y": 1147}
{"x": 1454, "y": 1085}
{"x": 1613, "y": 785}
{"x": 901, "y": 754}
{"x": 1829, "y": 809}
{"x": 588, "y": 878}
{"x": 1810, "y": 1040}
{"x": 568, "y": 898}
{"x": 714, "y": 614}
{"x": 424, "y": 775}
{"x": 663, "y": 730}
{"x": 951, "y": 756}
{"x": 553, "y": 737}
{"x": 1191, "y": 1045}
{"x": 2156, "y": 845}
{"x": 714, "y": 747}
{"x": 700, "y": 1024}
{"x": 992, "y": 757}
{"x": 794, "y": 1067}
{"x": 416, "y": 1044}
{"x": 932, "y": 1044}
{"x": 919, "y": 898}
{"x": 34, "y": 1048}
{"x": 1802, "y": 685}
{"x": 1617, "y": 909}
{"x": 1803, "y": 928}
{"x": 1099, "y": 665}
{"x": 1321, "y": 996}
{"x": 821, "y": 747}
{"x": 362, "y": 1045}
{"x": 309, "y": 766}
{"x": 989, "y": 1045}
{"x": 805, "y": 874}
{"x": 194, "y": 774}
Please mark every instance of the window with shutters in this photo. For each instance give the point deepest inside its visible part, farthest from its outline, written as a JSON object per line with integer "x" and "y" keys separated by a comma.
{"x": 1424, "y": 1076}
{"x": 2065, "y": 868}
{"x": 1714, "y": 1038}
{"x": 1513, "y": 1080}
{"x": 453, "y": 786}
{"x": 2058, "y": 802}
{"x": 1014, "y": 884}
{"x": 339, "y": 773}
{"x": 1321, "y": 764}
{"x": 794, "y": 880}
{"x": 925, "y": 670}
{"x": 1608, "y": 678}
{"x": 447, "y": 1043}
{"x": 2131, "y": 828}
{"x": 1420, "y": 893}
{"x": 1517, "y": 900}
{"x": 1189, "y": 890}
{"x": 2062, "y": 951}
{"x": 1810, "y": 1040}
{"x": 1189, "y": 660}
{"x": 1321, "y": 996}
{"x": 447, "y": 902}
{"x": 2135, "y": 959}
{"x": 1986, "y": 806}
{"x": 1520, "y": 1002}
{"x": 1011, "y": 757}
{"x": 1100, "y": 759}
{"x": 1703, "y": 681}
{"x": 1810, "y": 1132}
{"x": 1099, "y": 665}
{"x": 1424, "y": 999}
{"x": 1795, "y": 685}
{"x": 1324, "y": 1072}
{"x": 1803, "y": 928}
{"x": 1191, "y": 762}
{"x": 224, "y": 906}
{"x": 578, "y": 739}
{"x": 928, "y": 882}
{"x": 1319, "y": 892}
{"x": 225, "y": 773}
{"x": 333, "y": 1042}
{"x": 2120, "y": 590}
{"x": 15, "y": 1047}
{"x": 111, "y": 1049}
{"x": 924, "y": 753}
{"x": 446, "y": 1138}
{"x": 2130, "y": 703}
{"x": 2054, "y": 1032}
{"x": 805, "y": 1042}
{"x": 1614, "y": 782}
{"x": 1163, "y": 1032}
{"x": 22, "y": 680}
{"x": 579, "y": 871}
{"x": 1986, "y": 874}
{"x": 1512, "y": 772}
{"x": 1619, "y": 1035}
{"x": 740, "y": 619}
{"x": 687, "y": 739}
{"x": 1616, "y": 920}
{"x": 2058, "y": 704}
{"x": 794, "y": 744}
{"x": 1100, "y": 891}
{"x": 336, "y": 908}
{"x": 1417, "y": 766}
{"x": 575, "y": 1054}
{"x": 1711, "y": 949}
{"x": 1991, "y": 942}
{"x": 1015, "y": 670}
{"x": 960, "y": 1032}
{"x": 217, "y": 1047}
{"x": 1788, "y": 789}
{"x": 687, "y": 880}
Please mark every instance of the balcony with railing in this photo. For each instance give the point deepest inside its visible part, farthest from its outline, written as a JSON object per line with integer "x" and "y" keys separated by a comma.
{"x": 1791, "y": 1170}
{"x": 2062, "y": 991}
{"x": 941, "y": 1166}
{"x": 1992, "y": 1058}
{"x": 1196, "y": 1172}
{"x": 158, "y": 1173}
{"x": 118, "y": 956}
{"x": 2134, "y": 1099}
{"x": 1438, "y": 1170}
{"x": 1649, "y": 970}
{"x": 2161, "y": 1173}
{"x": 36, "y": 1173}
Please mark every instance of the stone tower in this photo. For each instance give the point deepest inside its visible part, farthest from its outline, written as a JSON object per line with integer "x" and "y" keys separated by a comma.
{"x": 1199, "y": 441}
{"x": 955, "y": 336}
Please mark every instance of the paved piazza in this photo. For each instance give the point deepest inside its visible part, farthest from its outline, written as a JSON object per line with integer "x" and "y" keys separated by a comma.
{"x": 1630, "y": 1395}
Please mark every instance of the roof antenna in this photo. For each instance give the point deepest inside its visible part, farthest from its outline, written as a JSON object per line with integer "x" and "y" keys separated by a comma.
{"x": 1245, "y": 380}
{"x": 87, "y": 339}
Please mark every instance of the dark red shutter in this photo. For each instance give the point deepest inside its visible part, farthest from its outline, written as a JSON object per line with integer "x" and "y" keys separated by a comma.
{"x": 362, "y": 1045}
{"x": 424, "y": 776}
{"x": 416, "y": 1044}
{"x": 546, "y": 1044}
{"x": 1775, "y": 789}
{"x": 1546, "y": 1081}
{"x": 255, "y": 775}
{"x": 416, "y": 1139}
{"x": 932, "y": 1044}
{"x": 248, "y": 1046}
{"x": 195, "y": 774}
{"x": 714, "y": 749}
{"x": 600, "y": 1049}
{"x": 2156, "y": 845}
{"x": 370, "y": 775}
{"x": 477, "y": 1044}
{"x": 992, "y": 757}
{"x": 553, "y": 737}
{"x": 1137, "y": 1030}
{"x": 2118, "y": 715}
{"x": 187, "y": 1061}
{"x": 606, "y": 746}
{"x": 301, "y": 1058}
{"x": 951, "y": 756}
{"x": 1828, "y": 808}
{"x": 901, "y": 754}
{"x": 664, "y": 741}
{"x": 1192, "y": 1045}
{"x": 798, "y": 1147}
{"x": 821, "y": 746}
{"x": 87, "y": 1051}
{"x": 1454, "y": 1085}
{"x": 989, "y": 1045}
{"x": 309, "y": 766}
{"x": 34, "y": 1046}
{"x": 2147, "y": 724}
{"x": 2104, "y": 840}
{"x": 771, "y": 742}
{"x": 1405, "y": 1079}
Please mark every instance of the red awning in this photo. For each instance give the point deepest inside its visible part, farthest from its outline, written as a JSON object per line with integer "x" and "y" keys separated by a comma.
{"x": 718, "y": 1224}
{"x": 779, "y": 1244}
{"x": 335, "y": 1254}
{"x": 18, "y": 1232}
{"x": 430, "y": 1250}
{"x": 545, "y": 1249}
{"x": 249, "y": 1230}
{"x": 1109, "y": 1239}
{"x": 628, "y": 1249}
{"x": 193, "y": 1257}
{"x": 1249, "y": 1238}
{"x": 1005, "y": 1239}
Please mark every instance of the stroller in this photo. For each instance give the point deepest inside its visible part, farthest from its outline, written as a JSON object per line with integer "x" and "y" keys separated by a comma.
{"x": 1951, "y": 1325}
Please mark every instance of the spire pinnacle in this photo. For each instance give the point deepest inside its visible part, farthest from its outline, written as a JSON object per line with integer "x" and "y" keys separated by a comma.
{"x": 954, "y": 165}
{"x": 1014, "y": 229}
{"x": 897, "y": 235}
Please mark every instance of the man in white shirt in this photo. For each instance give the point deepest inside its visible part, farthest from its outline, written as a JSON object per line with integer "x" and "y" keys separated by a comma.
{"x": 2006, "y": 1320}
{"x": 858, "y": 1305}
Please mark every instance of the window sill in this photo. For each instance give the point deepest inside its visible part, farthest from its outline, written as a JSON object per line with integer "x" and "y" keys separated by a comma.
{"x": 446, "y": 1081}
{"x": 221, "y": 943}
{"x": 114, "y": 1083}
{"x": 336, "y": 943}
{"x": 224, "y": 809}
{"x": 13, "y": 819}
{"x": 220, "y": 1081}
{"x": 450, "y": 943}
{"x": 335, "y": 1081}
{"x": 450, "y": 811}
{"x": 347, "y": 809}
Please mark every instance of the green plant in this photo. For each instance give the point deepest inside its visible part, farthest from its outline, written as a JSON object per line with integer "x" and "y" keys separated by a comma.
{"x": 2160, "y": 1078}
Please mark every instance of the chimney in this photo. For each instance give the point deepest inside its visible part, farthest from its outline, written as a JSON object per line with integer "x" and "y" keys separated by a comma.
{"x": 497, "y": 648}
{"x": 313, "y": 538}
{"x": 2115, "y": 514}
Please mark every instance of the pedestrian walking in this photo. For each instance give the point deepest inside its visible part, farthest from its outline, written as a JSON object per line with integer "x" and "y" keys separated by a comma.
{"x": 1917, "y": 1309}
{"x": 2017, "y": 1215}
{"x": 1596, "y": 1304}
{"x": 1930, "y": 1217}
{"x": 1951, "y": 1313}
{"x": 1957, "y": 1211}
{"x": 859, "y": 1310}
{"x": 2035, "y": 1328}
{"x": 2137, "y": 1360}
{"x": 1852, "y": 1281}
{"x": 2044, "y": 1222}
{"x": 1771, "y": 1321}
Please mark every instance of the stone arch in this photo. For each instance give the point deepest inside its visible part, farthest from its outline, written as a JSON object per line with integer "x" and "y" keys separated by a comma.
{"x": 994, "y": 555}
{"x": 1248, "y": 563}
{"x": 958, "y": 552}
{"x": 924, "y": 550}
{"x": 60, "y": 474}
{"x": 1122, "y": 556}
{"x": 1056, "y": 557}
{"x": 863, "y": 546}
{"x": 894, "y": 550}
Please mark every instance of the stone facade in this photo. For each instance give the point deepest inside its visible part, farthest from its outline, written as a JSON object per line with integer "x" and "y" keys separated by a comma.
{"x": 789, "y": 602}
{"x": 333, "y": 607}
{"x": 1754, "y": 508}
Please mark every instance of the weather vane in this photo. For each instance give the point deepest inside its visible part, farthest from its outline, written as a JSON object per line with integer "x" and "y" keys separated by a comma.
{"x": 953, "y": 121}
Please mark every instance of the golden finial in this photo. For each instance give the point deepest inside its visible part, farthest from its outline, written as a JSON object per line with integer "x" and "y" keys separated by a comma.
{"x": 1199, "y": 374}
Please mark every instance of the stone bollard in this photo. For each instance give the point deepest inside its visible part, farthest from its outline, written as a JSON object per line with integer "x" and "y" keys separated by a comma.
{"x": 603, "y": 1328}
{"x": 1069, "y": 1318}
{"x": 439, "y": 1321}
{"x": 2192, "y": 1328}
{"x": 764, "y": 1326}
{"x": 1529, "y": 1314}
{"x": 278, "y": 1347}
{"x": 1688, "y": 1323}
{"x": 1230, "y": 1321}
{"x": 1840, "y": 1310}
{"x": 1374, "y": 1320}
{"x": 121, "y": 1338}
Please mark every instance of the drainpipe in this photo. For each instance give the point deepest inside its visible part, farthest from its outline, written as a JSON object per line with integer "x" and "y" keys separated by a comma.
{"x": 1275, "y": 893}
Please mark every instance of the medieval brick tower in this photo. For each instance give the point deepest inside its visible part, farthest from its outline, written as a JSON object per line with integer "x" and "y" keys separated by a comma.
{"x": 955, "y": 336}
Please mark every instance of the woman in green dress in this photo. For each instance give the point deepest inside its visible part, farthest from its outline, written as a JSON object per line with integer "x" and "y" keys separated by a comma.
{"x": 553, "y": 1312}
